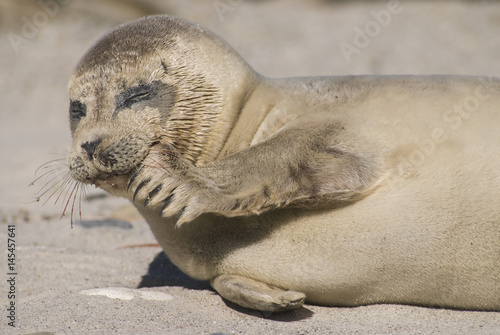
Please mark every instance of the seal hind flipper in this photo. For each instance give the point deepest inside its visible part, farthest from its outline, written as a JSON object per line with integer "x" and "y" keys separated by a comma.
{"x": 253, "y": 294}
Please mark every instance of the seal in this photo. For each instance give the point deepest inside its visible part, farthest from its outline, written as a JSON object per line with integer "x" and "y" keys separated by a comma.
{"x": 339, "y": 191}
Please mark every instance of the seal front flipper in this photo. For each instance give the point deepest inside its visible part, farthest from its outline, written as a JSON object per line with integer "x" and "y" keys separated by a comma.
{"x": 175, "y": 187}
{"x": 253, "y": 294}
{"x": 307, "y": 162}
{"x": 311, "y": 164}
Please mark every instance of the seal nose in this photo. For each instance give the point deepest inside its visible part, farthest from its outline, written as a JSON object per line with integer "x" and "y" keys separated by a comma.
{"x": 89, "y": 147}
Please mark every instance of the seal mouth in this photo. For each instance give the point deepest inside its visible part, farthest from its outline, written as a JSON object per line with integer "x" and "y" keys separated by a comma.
{"x": 119, "y": 181}
{"x": 104, "y": 182}
{"x": 116, "y": 184}
{"x": 102, "y": 178}
{"x": 104, "y": 165}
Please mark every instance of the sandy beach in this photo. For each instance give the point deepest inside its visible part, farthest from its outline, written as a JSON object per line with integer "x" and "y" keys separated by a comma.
{"x": 106, "y": 274}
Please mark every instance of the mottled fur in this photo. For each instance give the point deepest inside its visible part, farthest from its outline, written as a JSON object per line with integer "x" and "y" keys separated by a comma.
{"x": 347, "y": 190}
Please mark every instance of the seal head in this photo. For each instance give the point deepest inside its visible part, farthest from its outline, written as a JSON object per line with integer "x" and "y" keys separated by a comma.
{"x": 154, "y": 80}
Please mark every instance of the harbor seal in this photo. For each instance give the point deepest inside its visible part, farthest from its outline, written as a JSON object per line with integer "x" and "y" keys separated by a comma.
{"x": 339, "y": 191}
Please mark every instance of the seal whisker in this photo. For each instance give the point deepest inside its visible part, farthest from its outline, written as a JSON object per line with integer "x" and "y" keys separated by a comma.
{"x": 55, "y": 162}
{"x": 46, "y": 173}
{"x": 49, "y": 186}
{"x": 63, "y": 189}
{"x": 53, "y": 169}
{"x": 80, "y": 188}
{"x": 50, "y": 167}
{"x": 73, "y": 190}
{"x": 56, "y": 184}
{"x": 52, "y": 182}
{"x": 73, "y": 204}
{"x": 66, "y": 185}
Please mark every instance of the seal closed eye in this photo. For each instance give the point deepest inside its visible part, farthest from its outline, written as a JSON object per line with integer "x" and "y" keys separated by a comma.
{"x": 340, "y": 191}
{"x": 136, "y": 94}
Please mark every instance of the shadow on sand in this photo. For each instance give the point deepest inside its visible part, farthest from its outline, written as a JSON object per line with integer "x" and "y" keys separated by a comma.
{"x": 162, "y": 272}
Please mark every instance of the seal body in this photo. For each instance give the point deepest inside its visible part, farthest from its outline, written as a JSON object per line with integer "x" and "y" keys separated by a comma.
{"x": 344, "y": 191}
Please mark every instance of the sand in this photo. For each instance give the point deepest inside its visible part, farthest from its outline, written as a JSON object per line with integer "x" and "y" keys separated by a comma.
{"x": 106, "y": 274}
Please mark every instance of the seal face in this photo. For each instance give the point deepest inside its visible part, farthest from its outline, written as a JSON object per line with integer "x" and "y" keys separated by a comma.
{"x": 128, "y": 127}
{"x": 275, "y": 190}
{"x": 123, "y": 96}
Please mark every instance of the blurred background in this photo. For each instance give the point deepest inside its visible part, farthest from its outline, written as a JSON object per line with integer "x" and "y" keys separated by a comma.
{"x": 42, "y": 40}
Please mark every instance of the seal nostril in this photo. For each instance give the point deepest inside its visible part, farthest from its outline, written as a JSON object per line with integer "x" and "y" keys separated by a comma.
{"x": 89, "y": 147}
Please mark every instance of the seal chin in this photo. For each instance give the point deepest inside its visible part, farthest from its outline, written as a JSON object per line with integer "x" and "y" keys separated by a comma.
{"x": 113, "y": 184}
